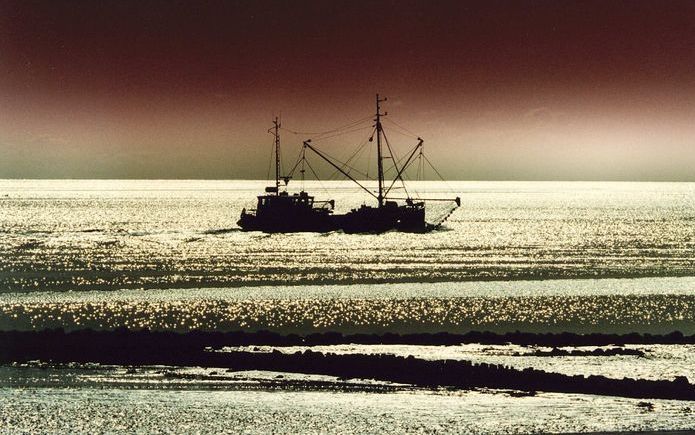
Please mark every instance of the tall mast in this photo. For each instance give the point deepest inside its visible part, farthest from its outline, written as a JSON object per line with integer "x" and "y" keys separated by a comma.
{"x": 276, "y": 133}
{"x": 379, "y": 158}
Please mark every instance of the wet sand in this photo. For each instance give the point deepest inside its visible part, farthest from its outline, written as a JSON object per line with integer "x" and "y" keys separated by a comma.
{"x": 143, "y": 348}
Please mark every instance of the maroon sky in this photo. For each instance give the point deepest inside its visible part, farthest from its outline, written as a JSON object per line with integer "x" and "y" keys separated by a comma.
{"x": 499, "y": 90}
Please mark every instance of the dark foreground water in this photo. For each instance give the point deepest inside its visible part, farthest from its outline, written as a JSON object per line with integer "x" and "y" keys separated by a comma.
{"x": 167, "y": 255}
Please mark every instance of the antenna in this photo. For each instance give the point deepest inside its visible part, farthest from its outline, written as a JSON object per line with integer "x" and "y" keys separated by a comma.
{"x": 276, "y": 133}
{"x": 379, "y": 157}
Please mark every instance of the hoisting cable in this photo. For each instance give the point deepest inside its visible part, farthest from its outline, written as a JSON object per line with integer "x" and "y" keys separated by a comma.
{"x": 405, "y": 131}
{"x": 270, "y": 161}
{"x": 316, "y": 176}
{"x": 457, "y": 200}
{"x": 302, "y": 171}
{"x": 404, "y": 167}
{"x": 341, "y": 133}
{"x": 332, "y": 159}
{"x": 434, "y": 169}
{"x": 302, "y": 156}
{"x": 395, "y": 165}
{"x": 320, "y": 154}
{"x": 354, "y": 156}
{"x": 318, "y": 134}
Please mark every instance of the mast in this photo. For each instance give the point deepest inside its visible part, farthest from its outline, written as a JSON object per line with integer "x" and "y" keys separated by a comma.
{"x": 379, "y": 158}
{"x": 276, "y": 133}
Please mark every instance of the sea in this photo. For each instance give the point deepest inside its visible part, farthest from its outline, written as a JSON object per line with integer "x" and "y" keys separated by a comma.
{"x": 168, "y": 255}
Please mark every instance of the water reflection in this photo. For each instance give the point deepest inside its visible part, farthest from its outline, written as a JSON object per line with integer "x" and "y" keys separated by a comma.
{"x": 129, "y": 234}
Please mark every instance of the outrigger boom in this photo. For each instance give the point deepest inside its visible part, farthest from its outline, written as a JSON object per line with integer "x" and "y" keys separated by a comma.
{"x": 320, "y": 154}
{"x": 307, "y": 144}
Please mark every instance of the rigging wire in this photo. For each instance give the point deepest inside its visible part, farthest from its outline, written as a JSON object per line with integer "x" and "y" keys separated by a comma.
{"x": 405, "y": 131}
{"x": 448, "y": 186}
{"x": 420, "y": 171}
{"x": 280, "y": 161}
{"x": 393, "y": 160}
{"x": 420, "y": 167}
{"x": 346, "y": 166}
{"x": 322, "y": 133}
{"x": 316, "y": 139}
{"x": 433, "y": 168}
{"x": 408, "y": 163}
{"x": 349, "y": 168}
{"x": 416, "y": 192}
{"x": 343, "y": 164}
{"x": 316, "y": 176}
{"x": 303, "y": 170}
{"x": 369, "y": 155}
{"x": 355, "y": 155}
{"x": 299, "y": 160}
{"x": 270, "y": 161}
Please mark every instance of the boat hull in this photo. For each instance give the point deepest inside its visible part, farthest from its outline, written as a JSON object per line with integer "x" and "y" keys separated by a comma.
{"x": 391, "y": 217}
{"x": 297, "y": 223}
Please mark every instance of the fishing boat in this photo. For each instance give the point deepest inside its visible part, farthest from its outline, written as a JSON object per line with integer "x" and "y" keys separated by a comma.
{"x": 278, "y": 211}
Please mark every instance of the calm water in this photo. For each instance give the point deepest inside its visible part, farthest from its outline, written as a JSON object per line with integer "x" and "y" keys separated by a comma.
{"x": 582, "y": 257}
{"x": 173, "y": 258}
{"x": 204, "y": 410}
{"x": 72, "y": 235}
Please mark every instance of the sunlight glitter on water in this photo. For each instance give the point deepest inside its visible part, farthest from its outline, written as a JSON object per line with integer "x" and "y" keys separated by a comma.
{"x": 119, "y": 410}
{"x": 101, "y": 234}
{"x": 171, "y": 257}
{"x": 655, "y": 305}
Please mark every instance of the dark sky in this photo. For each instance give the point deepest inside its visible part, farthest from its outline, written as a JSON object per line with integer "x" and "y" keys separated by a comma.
{"x": 499, "y": 90}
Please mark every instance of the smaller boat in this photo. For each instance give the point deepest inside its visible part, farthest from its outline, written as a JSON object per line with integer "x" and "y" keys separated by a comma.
{"x": 279, "y": 212}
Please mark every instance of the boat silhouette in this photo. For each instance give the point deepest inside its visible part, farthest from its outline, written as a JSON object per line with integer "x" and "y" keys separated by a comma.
{"x": 278, "y": 211}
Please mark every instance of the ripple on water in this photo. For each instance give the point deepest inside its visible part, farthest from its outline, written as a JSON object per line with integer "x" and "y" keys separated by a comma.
{"x": 100, "y": 234}
{"x": 162, "y": 311}
{"x": 116, "y": 410}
